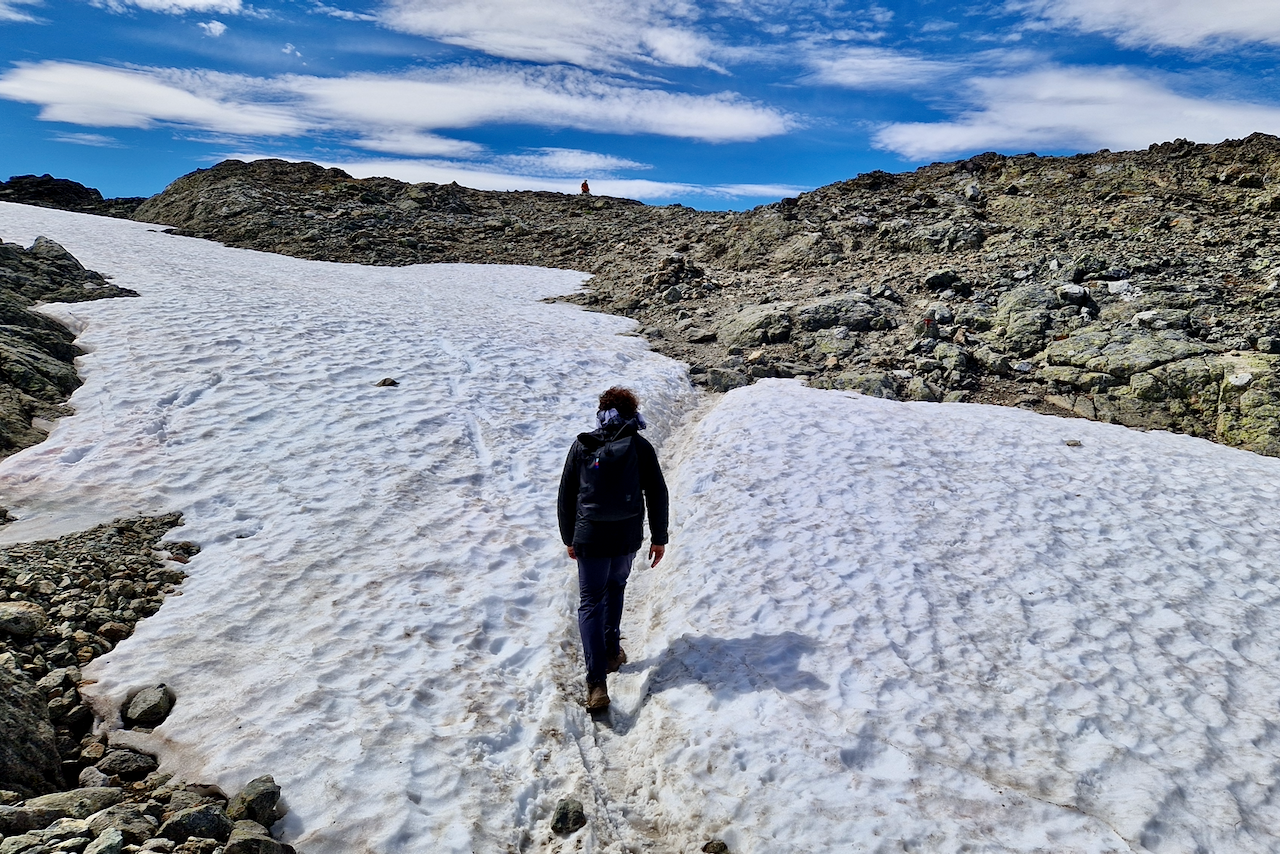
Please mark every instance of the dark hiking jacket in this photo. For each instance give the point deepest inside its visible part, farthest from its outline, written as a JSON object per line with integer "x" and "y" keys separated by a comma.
{"x": 593, "y": 538}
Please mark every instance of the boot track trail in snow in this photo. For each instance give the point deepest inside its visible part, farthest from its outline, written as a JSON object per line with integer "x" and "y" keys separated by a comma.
{"x": 879, "y": 627}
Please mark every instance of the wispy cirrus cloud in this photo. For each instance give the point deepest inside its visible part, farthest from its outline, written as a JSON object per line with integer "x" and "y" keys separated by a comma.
{"x": 173, "y": 7}
{"x": 104, "y": 96}
{"x": 875, "y": 68}
{"x": 393, "y": 113}
{"x": 1168, "y": 23}
{"x": 94, "y": 140}
{"x": 1079, "y": 109}
{"x": 467, "y": 96}
{"x": 567, "y": 161}
{"x": 12, "y": 11}
{"x": 600, "y": 34}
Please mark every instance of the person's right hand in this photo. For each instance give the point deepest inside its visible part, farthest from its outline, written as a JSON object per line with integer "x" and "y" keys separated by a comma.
{"x": 655, "y": 554}
{"x": 572, "y": 554}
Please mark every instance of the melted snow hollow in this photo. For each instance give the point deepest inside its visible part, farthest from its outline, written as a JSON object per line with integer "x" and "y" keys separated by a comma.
{"x": 880, "y": 626}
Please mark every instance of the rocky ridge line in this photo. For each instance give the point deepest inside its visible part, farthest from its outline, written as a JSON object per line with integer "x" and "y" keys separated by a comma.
{"x": 1132, "y": 287}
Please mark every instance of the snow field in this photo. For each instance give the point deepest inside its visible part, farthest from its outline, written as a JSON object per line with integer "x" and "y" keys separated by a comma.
{"x": 879, "y": 627}
{"x": 928, "y": 627}
{"x": 381, "y": 616}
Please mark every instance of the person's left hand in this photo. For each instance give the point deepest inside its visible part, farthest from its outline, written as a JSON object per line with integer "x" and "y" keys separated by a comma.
{"x": 572, "y": 554}
{"x": 656, "y": 553}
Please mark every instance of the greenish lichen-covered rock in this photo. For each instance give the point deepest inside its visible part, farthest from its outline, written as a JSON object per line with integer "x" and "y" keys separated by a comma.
{"x": 1249, "y": 404}
{"x": 765, "y": 324}
{"x": 1123, "y": 351}
{"x": 872, "y": 383}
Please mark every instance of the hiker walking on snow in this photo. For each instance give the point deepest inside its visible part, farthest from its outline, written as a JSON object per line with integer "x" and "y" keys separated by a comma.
{"x": 609, "y": 477}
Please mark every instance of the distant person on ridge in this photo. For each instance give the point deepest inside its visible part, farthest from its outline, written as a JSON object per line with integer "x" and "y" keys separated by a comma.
{"x": 586, "y": 190}
{"x": 609, "y": 477}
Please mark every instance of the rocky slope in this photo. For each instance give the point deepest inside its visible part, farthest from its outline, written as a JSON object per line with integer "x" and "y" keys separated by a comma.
{"x": 37, "y": 353}
{"x": 1134, "y": 287}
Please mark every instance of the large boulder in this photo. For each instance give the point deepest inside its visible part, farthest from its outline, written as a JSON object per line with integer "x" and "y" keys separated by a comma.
{"x": 21, "y": 619}
{"x": 77, "y": 803}
{"x": 257, "y": 801}
{"x": 763, "y": 324}
{"x": 1024, "y": 312}
{"x": 207, "y": 821}
{"x": 149, "y": 707}
{"x": 29, "y": 761}
{"x": 249, "y": 837}
{"x": 857, "y": 313}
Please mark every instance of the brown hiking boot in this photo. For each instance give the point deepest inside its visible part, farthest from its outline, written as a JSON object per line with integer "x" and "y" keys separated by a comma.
{"x": 616, "y": 661}
{"x": 597, "y": 697}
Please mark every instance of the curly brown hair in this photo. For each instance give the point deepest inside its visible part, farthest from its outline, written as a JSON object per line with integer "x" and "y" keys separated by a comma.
{"x": 622, "y": 399}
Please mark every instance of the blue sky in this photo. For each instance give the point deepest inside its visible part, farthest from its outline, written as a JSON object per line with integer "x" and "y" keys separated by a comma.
{"x": 718, "y": 104}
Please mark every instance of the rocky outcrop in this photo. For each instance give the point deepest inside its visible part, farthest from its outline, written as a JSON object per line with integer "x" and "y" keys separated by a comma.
{"x": 29, "y": 761}
{"x": 36, "y": 353}
{"x": 50, "y": 192}
{"x": 1136, "y": 287}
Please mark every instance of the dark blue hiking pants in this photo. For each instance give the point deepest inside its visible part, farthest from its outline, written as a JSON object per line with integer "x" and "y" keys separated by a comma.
{"x": 602, "y": 581}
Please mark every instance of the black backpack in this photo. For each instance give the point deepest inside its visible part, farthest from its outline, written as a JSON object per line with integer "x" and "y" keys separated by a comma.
{"x": 609, "y": 485}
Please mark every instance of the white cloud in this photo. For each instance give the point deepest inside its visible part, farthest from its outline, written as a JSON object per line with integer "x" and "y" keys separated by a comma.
{"x": 875, "y": 68}
{"x": 417, "y": 144}
{"x": 1172, "y": 23}
{"x": 1076, "y": 109}
{"x": 99, "y": 96}
{"x": 482, "y": 178}
{"x": 343, "y": 14}
{"x": 11, "y": 12}
{"x": 568, "y": 161}
{"x": 95, "y": 140}
{"x": 602, "y": 34}
{"x": 213, "y": 29}
{"x": 462, "y": 97}
{"x": 173, "y": 7}
{"x": 392, "y": 113}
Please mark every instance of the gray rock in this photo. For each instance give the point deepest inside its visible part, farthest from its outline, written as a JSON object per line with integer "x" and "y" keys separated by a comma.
{"x": 150, "y": 706}
{"x": 723, "y": 379}
{"x": 249, "y": 837}
{"x": 1024, "y": 313}
{"x": 111, "y": 841}
{"x": 78, "y": 803}
{"x": 766, "y": 324}
{"x": 15, "y": 820}
{"x": 1162, "y": 318}
{"x": 159, "y": 843}
{"x": 66, "y": 828}
{"x": 568, "y": 817}
{"x": 90, "y": 777}
{"x": 257, "y": 801}
{"x": 918, "y": 389}
{"x": 940, "y": 280}
{"x": 29, "y": 760}
{"x": 198, "y": 845}
{"x": 126, "y": 764}
{"x": 136, "y": 826}
{"x": 22, "y": 843}
{"x": 855, "y": 313}
{"x": 22, "y": 619}
{"x": 208, "y": 821}
{"x": 183, "y": 799}
{"x": 871, "y": 383}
